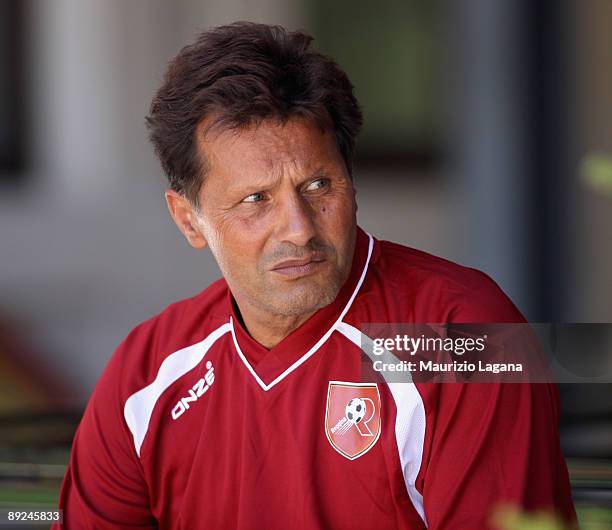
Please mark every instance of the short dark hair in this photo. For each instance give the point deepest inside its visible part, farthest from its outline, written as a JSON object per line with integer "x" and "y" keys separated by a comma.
{"x": 240, "y": 75}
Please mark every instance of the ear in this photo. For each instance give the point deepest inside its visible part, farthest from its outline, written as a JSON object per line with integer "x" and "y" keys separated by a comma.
{"x": 183, "y": 213}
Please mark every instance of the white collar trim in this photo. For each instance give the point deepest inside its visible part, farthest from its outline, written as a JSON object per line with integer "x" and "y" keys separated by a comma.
{"x": 319, "y": 343}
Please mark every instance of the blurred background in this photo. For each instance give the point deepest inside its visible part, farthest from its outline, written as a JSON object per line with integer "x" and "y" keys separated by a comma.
{"x": 487, "y": 140}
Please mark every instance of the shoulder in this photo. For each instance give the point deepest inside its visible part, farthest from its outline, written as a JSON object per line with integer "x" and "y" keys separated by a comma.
{"x": 185, "y": 319}
{"x": 440, "y": 289}
{"x": 136, "y": 361}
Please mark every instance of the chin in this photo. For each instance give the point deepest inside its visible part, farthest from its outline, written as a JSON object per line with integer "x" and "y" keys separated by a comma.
{"x": 305, "y": 300}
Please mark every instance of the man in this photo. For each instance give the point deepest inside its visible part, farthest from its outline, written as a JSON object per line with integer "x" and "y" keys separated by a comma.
{"x": 246, "y": 405}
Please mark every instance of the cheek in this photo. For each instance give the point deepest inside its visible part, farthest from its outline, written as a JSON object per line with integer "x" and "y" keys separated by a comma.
{"x": 241, "y": 239}
{"x": 336, "y": 219}
{"x": 336, "y": 212}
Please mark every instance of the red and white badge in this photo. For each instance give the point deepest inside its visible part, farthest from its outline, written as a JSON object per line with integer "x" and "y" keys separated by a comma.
{"x": 352, "y": 417}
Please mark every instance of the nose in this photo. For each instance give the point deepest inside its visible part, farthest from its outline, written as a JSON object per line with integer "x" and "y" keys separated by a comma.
{"x": 295, "y": 220}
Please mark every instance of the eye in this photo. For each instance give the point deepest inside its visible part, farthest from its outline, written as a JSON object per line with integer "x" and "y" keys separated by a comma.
{"x": 317, "y": 184}
{"x": 254, "y": 197}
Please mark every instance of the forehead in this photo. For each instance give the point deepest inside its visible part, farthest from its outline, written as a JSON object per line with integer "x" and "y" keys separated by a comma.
{"x": 269, "y": 146}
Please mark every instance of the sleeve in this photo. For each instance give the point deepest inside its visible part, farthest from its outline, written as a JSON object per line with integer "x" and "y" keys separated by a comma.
{"x": 493, "y": 444}
{"x": 104, "y": 486}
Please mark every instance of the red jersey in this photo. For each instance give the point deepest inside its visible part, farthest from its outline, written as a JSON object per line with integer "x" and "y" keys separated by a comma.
{"x": 195, "y": 425}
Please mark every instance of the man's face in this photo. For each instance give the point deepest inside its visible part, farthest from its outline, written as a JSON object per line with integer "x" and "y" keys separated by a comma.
{"x": 278, "y": 209}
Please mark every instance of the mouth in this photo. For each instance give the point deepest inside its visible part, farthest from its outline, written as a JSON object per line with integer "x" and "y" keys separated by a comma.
{"x": 295, "y": 268}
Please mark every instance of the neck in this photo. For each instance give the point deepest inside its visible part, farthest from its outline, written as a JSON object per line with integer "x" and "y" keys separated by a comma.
{"x": 268, "y": 329}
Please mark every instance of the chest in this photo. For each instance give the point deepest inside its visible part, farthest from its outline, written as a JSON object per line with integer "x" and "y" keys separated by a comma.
{"x": 316, "y": 450}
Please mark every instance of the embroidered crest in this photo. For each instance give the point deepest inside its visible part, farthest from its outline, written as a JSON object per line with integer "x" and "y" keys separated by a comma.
{"x": 352, "y": 417}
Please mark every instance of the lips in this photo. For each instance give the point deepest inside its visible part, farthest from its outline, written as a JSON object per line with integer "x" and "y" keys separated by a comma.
{"x": 299, "y": 267}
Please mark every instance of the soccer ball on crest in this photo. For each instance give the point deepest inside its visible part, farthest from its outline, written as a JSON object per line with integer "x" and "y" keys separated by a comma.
{"x": 355, "y": 410}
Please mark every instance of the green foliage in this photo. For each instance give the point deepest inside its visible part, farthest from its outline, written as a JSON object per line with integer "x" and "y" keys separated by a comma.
{"x": 596, "y": 172}
{"x": 510, "y": 518}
